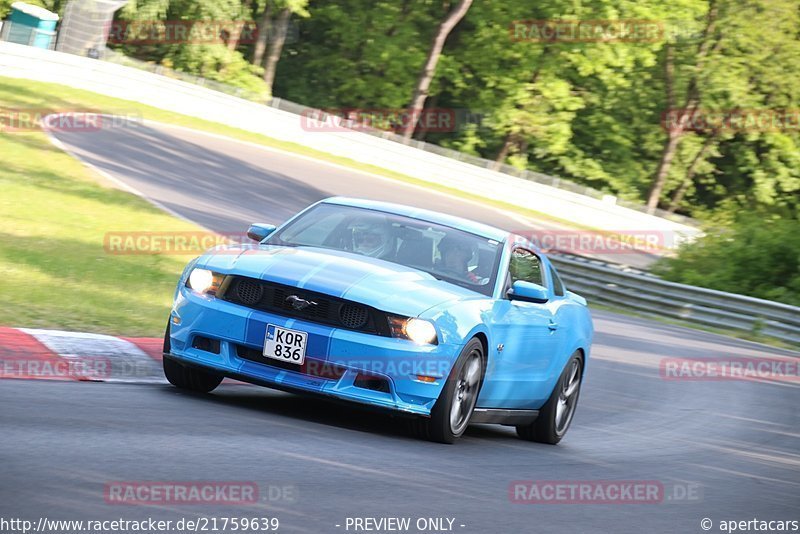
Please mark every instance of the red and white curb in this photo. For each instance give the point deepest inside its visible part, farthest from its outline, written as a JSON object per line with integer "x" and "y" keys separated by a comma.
{"x": 31, "y": 353}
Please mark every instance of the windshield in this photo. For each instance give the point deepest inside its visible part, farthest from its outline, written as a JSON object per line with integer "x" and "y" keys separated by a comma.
{"x": 446, "y": 253}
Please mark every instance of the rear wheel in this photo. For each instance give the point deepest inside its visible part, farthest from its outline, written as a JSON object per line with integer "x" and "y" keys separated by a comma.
{"x": 556, "y": 415}
{"x": 451, "y": 414}
{"x": 184, "y": 376}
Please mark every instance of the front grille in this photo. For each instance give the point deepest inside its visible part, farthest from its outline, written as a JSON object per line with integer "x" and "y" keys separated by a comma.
{"x": 353, "y": 315}
{"x": 249, "y": 292}
{"x": 318, "y": 309}
{"x": 309, "y": 305}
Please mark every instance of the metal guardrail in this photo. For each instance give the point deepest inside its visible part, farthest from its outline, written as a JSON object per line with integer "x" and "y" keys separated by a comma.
{"x": 652, "y": 295}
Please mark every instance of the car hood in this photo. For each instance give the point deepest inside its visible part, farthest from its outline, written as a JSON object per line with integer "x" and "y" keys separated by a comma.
{"x": 383, "y": 285}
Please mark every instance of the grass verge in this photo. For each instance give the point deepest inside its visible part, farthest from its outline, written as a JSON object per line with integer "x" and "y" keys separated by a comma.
{"x": 53, "y": 217}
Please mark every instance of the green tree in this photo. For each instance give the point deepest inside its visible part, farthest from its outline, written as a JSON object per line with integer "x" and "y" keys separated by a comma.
{"x": 737, "y": 65}
{"x": 429, "y": 69}
{"x": 352, "y": 53}
{"x": 757, "y": 255}
{"x": 218, "y": 61}
{"x": 273, "y": 31}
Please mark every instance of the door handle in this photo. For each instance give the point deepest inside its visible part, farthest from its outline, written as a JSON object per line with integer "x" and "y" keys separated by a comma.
{"x": 552, "y": 325}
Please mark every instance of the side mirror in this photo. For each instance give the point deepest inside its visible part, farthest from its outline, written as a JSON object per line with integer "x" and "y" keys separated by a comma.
{"x": 258, "y": 232}
{"x": 528, "y": 291}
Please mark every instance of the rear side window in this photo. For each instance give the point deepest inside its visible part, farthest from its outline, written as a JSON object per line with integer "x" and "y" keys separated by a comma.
{"x": 558, "y": 286}
{"x": 525, "y": 265}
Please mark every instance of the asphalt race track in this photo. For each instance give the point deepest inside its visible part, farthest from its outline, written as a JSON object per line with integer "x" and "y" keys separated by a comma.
{"x": 225, "y": 185}
{"x": 721, "y": 449}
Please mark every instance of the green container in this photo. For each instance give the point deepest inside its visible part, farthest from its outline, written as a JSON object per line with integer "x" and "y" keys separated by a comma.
{"x": 31, "y": 25}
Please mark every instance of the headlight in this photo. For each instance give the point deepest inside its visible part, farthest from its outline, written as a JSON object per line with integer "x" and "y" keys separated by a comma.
{"x": 417, "y": 330}
{"x": 205, "y": 281}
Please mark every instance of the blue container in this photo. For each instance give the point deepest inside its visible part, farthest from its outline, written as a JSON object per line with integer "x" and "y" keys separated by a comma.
{"x": 31, "y": 25}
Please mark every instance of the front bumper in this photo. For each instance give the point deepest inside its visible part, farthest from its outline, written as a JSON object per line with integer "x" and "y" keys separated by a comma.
{"x": 343, "y": 364}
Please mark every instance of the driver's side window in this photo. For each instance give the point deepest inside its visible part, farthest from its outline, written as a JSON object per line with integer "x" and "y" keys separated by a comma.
{"x": 525, "y": 265}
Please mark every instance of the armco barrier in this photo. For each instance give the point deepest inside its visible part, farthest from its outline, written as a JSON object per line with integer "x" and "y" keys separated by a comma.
{"x": 181, "y": 97}
{"x": 707, "y": 307}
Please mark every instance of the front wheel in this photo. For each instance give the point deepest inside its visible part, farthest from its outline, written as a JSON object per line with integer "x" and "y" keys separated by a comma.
{"x": 185, "y": 377}
{"x": 556, "y": 415}
{"x": 451, "y": 414}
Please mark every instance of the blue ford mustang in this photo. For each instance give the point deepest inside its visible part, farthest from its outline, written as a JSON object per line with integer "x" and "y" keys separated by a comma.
{"x": 445, "y": 320}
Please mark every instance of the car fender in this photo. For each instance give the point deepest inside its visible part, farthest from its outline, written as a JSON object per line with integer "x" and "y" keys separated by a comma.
{"x": 459, "y": 322}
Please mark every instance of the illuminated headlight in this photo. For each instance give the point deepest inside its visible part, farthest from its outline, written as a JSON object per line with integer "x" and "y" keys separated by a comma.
{"x": 205, "y": 281}
{"x": 417, "y": 330}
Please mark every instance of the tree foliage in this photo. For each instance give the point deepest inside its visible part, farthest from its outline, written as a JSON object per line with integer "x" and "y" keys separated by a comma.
{"x": 757, "y": 255}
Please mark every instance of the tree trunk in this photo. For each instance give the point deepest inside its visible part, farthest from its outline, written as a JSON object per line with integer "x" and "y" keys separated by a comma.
{"x": 421, "y": 133}
{"x": 673, "y": 136}
{"x": 663, "y": 170}
{"x": 677, "y": 198}
{"x": 692, "y": 101}
{"x": 235, "y": 34}
{"x": 264, "y": 28}
{"x": 426, "y": 76}
{"x": 275, "y": 49}
{"x": 502, "y": 154}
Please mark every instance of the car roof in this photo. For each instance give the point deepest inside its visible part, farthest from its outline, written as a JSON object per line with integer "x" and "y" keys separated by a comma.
{"x": 483, "y": 230}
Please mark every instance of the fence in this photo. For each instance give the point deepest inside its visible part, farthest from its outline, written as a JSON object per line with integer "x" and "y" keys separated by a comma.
{"x": 648, "y": 294}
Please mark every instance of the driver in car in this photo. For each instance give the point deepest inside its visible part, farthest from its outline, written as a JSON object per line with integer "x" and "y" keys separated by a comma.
{"x": 456, "y": 253}
{"x": 371, "y": 238}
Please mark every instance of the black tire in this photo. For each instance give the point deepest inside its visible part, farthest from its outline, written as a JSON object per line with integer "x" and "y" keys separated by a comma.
{"x": 552, "y": 425}
{"x": 186, "y": 377}
{"x": 464, "y": 382}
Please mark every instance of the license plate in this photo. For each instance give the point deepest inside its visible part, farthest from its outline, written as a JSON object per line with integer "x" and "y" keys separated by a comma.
{"x": 285, "y": 345}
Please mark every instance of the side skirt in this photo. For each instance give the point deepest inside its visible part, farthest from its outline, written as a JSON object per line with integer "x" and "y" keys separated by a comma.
{"x": 503, "y": 417}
